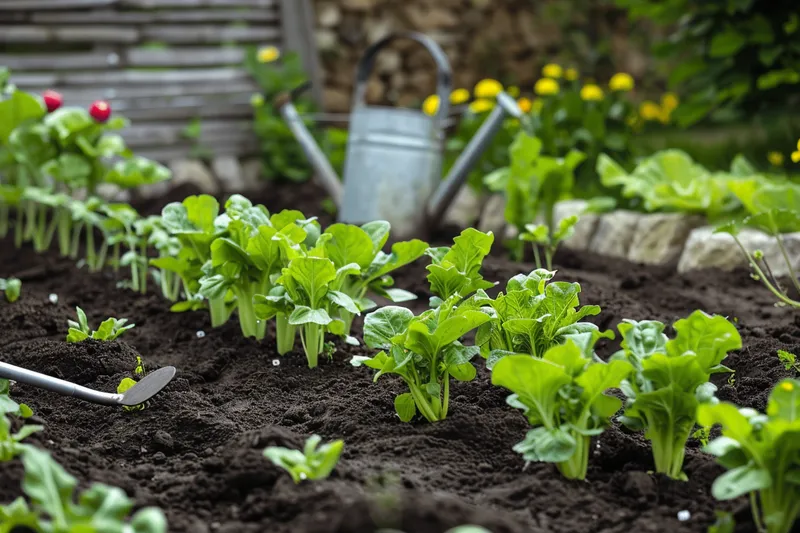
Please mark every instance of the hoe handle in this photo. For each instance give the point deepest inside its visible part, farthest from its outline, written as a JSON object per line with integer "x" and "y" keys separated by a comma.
{"x": 60, "y": 386}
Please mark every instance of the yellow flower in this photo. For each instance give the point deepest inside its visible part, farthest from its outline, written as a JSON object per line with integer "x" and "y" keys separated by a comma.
{"x": 537, "y": 104}
{"x": 571, "y": 74}
{"x": 552, "y": 71}
{"x": 665, "y": 115}
{"x": 268, "y": 54}
{"x": 525, "y": 105}
{"x": 256, "y": 100}
{"x": 431, "y": 105}
{"x": 459, "y": 96}
{"x": 796, "y": 154}
{"x": 546, "y": 86}
{"x": 480, "y": 105}
{"x": 787, "y": 386}
{"x": 669, "y": 101}
{"x": 513, "y": 91}
{"x": 775, "y": 159}
{"x": 591, "y": 93}
{"x": 487, "y": 88}
{"x": 650, "y": 110}
{"x": 621, "y": 81}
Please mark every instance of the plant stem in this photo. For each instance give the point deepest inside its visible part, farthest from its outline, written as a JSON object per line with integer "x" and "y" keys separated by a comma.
{"x": 313, "y": 338}
{"x": 64, "y": 230}
{"x": 761, "y": 276}
{"x": 5, "y": 213}
{"x": 576, "y": 466}
{"x": 285, "y": 333}
{"x": 536, "y": 258}
{"x": 218, "y": 311}
{"x": 422, "y": 404}
{"x": 792, "y": 273}
{"x": 446, "y": 395}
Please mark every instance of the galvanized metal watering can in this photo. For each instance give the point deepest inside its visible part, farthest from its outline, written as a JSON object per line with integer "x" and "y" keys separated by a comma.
{"x": 393, "y": 165}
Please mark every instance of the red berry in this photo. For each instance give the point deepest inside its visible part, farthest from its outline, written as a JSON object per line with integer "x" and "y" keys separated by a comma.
{"x": 100, "y": 110}
{"x": 52, "y": 100}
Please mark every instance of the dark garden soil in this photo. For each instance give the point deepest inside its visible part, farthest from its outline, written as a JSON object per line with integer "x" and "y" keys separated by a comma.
{"x": 196, "y": 451}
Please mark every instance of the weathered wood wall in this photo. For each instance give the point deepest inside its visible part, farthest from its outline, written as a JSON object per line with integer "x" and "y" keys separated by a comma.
{"x": 161, "y": 63}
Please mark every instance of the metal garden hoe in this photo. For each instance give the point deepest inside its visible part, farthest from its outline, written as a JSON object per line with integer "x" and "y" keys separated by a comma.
{"x": 145, "y": 389}
{"x": 393, "y": 164}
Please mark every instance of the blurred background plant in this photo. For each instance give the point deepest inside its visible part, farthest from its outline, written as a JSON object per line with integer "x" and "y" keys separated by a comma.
{"x": 281, "y": 155}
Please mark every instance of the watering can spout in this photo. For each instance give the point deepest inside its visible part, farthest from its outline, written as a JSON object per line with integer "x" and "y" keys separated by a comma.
{"x": 325, "y": 173}
{"x": 449, "y": 187}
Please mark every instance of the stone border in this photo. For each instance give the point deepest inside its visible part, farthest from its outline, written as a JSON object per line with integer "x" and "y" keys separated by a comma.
{"x": 656, "y": 238}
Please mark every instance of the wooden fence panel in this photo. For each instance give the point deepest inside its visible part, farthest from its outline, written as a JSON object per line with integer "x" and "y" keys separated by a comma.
{"x": 161, "y": 63}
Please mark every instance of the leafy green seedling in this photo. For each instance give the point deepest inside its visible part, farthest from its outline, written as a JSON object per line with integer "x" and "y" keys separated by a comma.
{"x": 532, "y": 315}
{"x": 109, "y": 329}
{"x": 347, "y": 244}
{"x": 11, "y": 287}
{"x": 307, "y": 293}
{"x": 251, "y": 255}
{"x": 762, "y": 455}
{"x": 545, "y": 241}
{"x": 11, "y": 443}
{"x": 789, "y": 360}
{"x": 425, "y": 350}
{"x": 671, "y": 379}
{"x": 314, "y": 462}
{"x": 563, "y": 396}
{"x": 127, "y": 383}
{"x": 54, "y": 508}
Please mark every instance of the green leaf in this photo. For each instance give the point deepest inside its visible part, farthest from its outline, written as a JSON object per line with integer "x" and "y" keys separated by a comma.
{"x": 312, "y": 274}
{"x": 305, "y": 315}
{"x": 710, "y": 337}
{"x": 726, "y": 43}
{"x": 549, "y": 445}
{"x": 740, "y": 481}
{"x": 381, "y": 326}
{"x": 15, "y": 110}
{"x": 405, "y": 407}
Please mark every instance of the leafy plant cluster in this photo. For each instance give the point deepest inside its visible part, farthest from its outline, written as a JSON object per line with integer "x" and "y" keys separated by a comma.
{"x": 49, "y": 155}
{"x": 280, "y": 266}
{"x": 281, "y": 155}
{"x": 735, "y": 58}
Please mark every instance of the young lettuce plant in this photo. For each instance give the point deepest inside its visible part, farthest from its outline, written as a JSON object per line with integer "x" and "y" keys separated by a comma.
{"x": 563, "y": 396}
{"x": 307, "y": 292}
{"x": 671, "y": 379}
{"x": 425, "y": 350}
{"x": 247, "y": 261}
{"x": 109, "y": 329}
{"x": 195, "y": 223}
{"x": 532, "y": 315}
{"x": 542, "y": 238}
{"x": 11, "y": 443}
{"x": 762, "y": 455}
{"x": 54, "y": 508}
{"x": 314, "y": 462}
{"x": 12, "y": 288}
{"x": 347, "y": 244}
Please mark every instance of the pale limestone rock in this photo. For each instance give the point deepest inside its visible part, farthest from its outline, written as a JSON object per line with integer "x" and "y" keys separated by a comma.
{"x": 113, "y": 193}
{"x": 156, "y": 190}
{"x": 584, "y": 229}
{"x": 326, "y": 39}
{"x": 464, "y": 210}
{"x": 251, "y": 174}
{"x": 229, "y": 173}
{"x": 706, "y": 249}
{"x": 328, "y": 15}
{"x": 660, "y": 237}
{"x": 493, "y": 215}
{"x": 194, "y": 172}
{"x": 614, "y": 233}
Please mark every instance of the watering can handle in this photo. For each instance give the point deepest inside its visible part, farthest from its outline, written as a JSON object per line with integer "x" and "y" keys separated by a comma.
{"x": 444, "y": 75}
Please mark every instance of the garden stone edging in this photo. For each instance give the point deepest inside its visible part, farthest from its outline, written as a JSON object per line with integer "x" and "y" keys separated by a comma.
{"x": 656, "y": 238}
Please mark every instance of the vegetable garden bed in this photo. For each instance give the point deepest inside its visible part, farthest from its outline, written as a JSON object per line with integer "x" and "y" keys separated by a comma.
{"x": 196, "y": 450}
